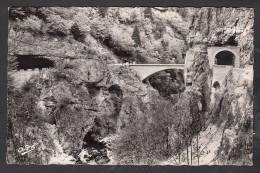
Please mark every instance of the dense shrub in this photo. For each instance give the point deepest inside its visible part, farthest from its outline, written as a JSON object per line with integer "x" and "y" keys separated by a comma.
{"x": 57, "y": 30}
{"x": 77, "y": 33}
{"x": 16, "y": 13}
{"x": 168, "y": 82}
{"x": 148, "y": 13}
{"x": 145, "y": 139}
{"x": 136, "y": 36}
{"x": 103, "y": 11}
{"x": 57, "y": 26}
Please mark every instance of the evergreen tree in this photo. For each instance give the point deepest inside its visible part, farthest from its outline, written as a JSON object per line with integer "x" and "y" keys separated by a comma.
{"x": 138, "y": 58}
{"x": 77, "y": 33}
{"x": 136, "y": 37}
{"x": 148, "y": 13}
{"x": 103, "y": 11}
{"x": 12, "y": 63}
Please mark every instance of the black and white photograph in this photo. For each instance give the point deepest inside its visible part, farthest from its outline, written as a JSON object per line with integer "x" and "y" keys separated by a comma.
{"x": 130, "y": 86}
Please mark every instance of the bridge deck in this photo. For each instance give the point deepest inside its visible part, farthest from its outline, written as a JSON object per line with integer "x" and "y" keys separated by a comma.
{"x": 145, "y": 70}
{"x": 156, "y": 65}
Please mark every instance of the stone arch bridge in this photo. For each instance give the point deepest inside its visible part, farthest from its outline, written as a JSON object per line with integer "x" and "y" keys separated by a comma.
{"x": 222, "y": 59}
{"x": 146, "y": 70}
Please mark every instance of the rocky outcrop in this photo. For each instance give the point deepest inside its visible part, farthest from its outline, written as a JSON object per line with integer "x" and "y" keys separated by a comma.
{"x": 82, "y": 100}
{"x": 224, "y": 26}
{"x": 74, "y": 99}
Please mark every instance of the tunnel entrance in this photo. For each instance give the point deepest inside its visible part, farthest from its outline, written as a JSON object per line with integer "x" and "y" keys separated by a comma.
{"x": 90, "y": 141}
{"x": 97, "y": 151}
{"x": 216, "y": 85}
{"x": 225, "y": 58}
{"x": 26, "y": 62}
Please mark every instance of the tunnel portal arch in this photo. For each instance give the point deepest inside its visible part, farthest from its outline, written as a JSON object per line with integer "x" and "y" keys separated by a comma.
{"x": 224, "y": 55}
{"x": 225, "y": 58}
{"x": 26, "y": 62}
{"x": 216, "y": 85}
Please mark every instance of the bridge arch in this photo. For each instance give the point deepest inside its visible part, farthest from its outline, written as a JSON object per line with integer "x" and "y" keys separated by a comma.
{"x": 147, "y": 70}
{"x": 157, "y": 71}
{"x": 170, "y": 83}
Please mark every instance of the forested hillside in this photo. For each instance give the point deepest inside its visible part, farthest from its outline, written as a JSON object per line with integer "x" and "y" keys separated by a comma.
{"x": 81, "y": 110}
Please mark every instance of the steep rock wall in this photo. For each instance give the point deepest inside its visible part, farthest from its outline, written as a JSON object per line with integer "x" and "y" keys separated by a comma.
{"x": 83, "y": 95}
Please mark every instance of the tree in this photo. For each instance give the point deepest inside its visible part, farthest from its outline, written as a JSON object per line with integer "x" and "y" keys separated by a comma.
{"x": 148, "y": 13}
{"x": 145, "y": 139}
{"x": 77, "y": 33}
{"x": 139, "y": 58}
{"x": 12, "y": 63}
{"x": 17, "y": 13}
{"x": 136, "y": 36}
{"x": 103, "y": 11}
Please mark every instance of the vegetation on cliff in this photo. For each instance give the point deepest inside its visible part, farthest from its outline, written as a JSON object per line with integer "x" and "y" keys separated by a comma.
{"x": 84, "y": 111}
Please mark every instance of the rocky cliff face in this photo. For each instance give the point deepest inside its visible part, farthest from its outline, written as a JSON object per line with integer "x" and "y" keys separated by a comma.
{"x": 69, "y": 102}
{"x": 224, "y": 26}
{"x": 84, "y": 98}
